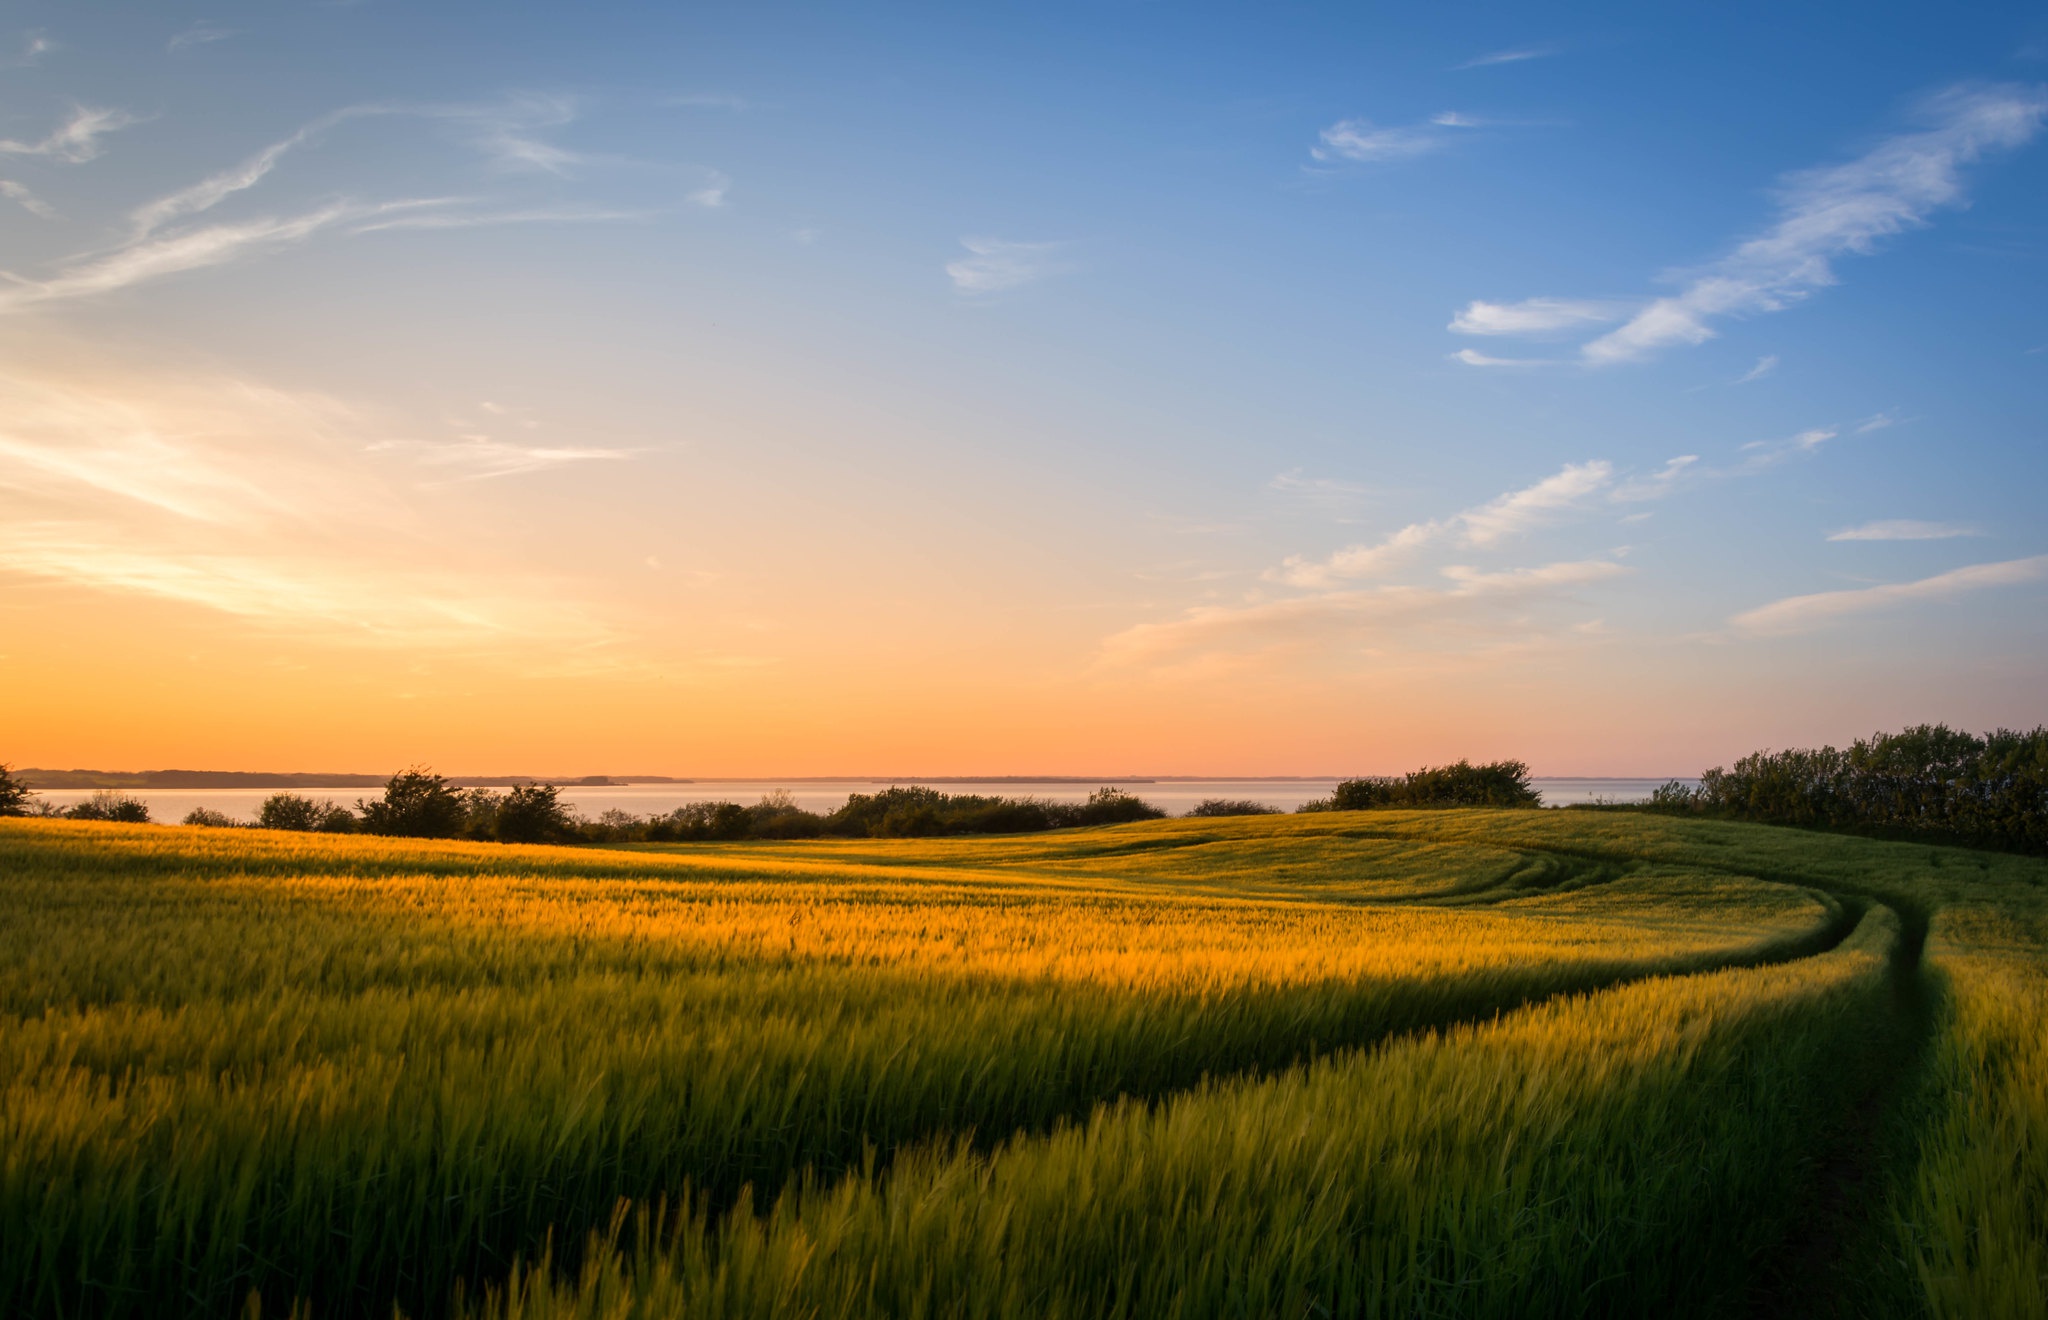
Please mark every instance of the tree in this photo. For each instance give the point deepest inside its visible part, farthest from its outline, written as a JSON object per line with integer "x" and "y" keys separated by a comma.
{"x": 14, "y": 795}
{"x": 289, "y": 811}
{"x": 106, "y": 804}
{"x": 417, "y": 803}
{"x": 533, "y": 813}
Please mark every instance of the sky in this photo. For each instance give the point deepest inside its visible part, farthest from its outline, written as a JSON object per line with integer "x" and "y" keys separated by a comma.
{"x": 1114, "y": 388}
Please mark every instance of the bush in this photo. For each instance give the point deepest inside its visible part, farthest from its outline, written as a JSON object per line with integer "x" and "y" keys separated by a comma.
{"x": 210, "y": 818}
{"x": 1231, "y": 807}
{"x": 14, "y": 795}
{"x": 419, "y": 804}
{"x": 1113, "y": 806}
{"x": 1496, "y": 784}
{"x": 289, "y": 811}
{"x": 111, "y": 804}
{"x": 533, "y": 813}
{"x": 1929, "y": 780}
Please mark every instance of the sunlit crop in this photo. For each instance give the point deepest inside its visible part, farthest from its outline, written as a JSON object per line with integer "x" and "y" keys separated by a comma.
{"x": 1464, "y": 1062}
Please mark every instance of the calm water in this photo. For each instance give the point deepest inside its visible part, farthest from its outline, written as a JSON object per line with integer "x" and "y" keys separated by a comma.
{"x": 170, "y": 805}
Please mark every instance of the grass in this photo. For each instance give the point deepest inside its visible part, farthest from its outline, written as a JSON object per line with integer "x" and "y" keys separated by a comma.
{"x": 1453, "y": 1062}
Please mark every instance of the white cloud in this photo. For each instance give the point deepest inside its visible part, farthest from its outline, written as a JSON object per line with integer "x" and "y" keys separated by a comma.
{"x": 155, "y": 258}
{"x": 1474, "y": 598}
{"x": 1769, "y": 453}
{"x": 1515, "y": 55}
{"x": 75, "y": 141}
{"x": 156, "y": 248}
{"x": 1319, "y": 489}
{"x": 20, "y": 195}
{"x": 1764, "y": 366}
{"x": 1878, "y": 422}
{"x": 508, "y": 131}
{"x": 997, "y": 265}
{"x": 215, "y": 188}
{"x": 1835, "y": 211}
{"x": 1803, "y": 613}
{"x": 479, "y": 457}
{"x": 1903, "y": 529}
{"x": 1486, "y": 525}
{"x": 1472, "y": 358}
{"x": 1522, "y": 510}
{"x": 1535, "y": 316}
{"x": 255, "y": 503}
{"x": 712, "y": 194}
{"x": 1658, "y": 484}
{"x": 1358, "y": 140}
{"x": 1354, "y": 562}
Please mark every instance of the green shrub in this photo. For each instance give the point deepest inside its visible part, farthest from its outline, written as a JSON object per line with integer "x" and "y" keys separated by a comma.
{"x": 1231, "y": 807}
{"x": 1113, "y": 806}
{"x": 1495, "y": 784}
{"x": 210, "y": 818}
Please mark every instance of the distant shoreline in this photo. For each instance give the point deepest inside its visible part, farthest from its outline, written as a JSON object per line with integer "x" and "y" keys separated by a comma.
{"x": 36, "y": 778}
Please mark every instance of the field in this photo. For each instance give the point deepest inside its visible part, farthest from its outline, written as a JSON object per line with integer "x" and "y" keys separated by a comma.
{"x": 1456, "y": 1063}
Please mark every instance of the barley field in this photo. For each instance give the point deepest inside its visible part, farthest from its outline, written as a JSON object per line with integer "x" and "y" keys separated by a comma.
{"x": 1434, "y": 1063}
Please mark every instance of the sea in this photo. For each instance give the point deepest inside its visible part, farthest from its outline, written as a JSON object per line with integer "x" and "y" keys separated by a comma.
{"x": 1175, "y": 796}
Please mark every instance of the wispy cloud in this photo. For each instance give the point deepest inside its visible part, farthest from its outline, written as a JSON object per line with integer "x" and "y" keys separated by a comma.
{"x": 155, "y": 258}
{"x": 1903, "y": 529}
{"x": 1524, "y": 510}
{"x": 708, "y": 101}
{"x": 480, "y": 458}
{"x": 20, "y": 195}
{"x": 1797, "y": 614}
{"x": 1358, "y": 140}
{"x": 1763, "y": 454}
{"x": 712, "y": 194}
{"x": 34, "y": 45}
{"x": 157, "y": 247}
{"x": 77, "y": 139}
{"x": 251, "y": 502}
{"x": 1474, "y": 358}
{"x": 373, "y": 606}
{"x": 199, "y": 34}
{"x": 997, "y": 264}
{"x": 1472, "y": 597}
{"x": 1657, "y": 484}
{"x": 1764, "y": 366}
{"x": 510, "y": 132}
{"x": 1537, "y": 316}
{"x": 1513, "y": 55}
{"x": 1323, "y": 491}
{"x": 1823, "y": 214}
{"x": 1512, "y": 514}
{"x": 1878, "y": 422}
{"x": 215, "y": 188}
{"x": 1835, "y": 211}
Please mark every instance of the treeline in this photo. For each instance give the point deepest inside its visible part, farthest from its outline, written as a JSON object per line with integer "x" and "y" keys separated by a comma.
{"x": 1929, "y": 781}
{"x": 418, "y": 803}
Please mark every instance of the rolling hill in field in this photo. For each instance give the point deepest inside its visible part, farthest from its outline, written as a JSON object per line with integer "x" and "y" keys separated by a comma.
{"x": 1486, "y": 1063}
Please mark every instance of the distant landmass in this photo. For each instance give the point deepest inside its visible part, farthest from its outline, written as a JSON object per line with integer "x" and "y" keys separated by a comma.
{"x": 39, "y": 778}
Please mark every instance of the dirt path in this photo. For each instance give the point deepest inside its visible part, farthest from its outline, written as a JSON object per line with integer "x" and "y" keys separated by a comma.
{"x": 1838, "y": 1259}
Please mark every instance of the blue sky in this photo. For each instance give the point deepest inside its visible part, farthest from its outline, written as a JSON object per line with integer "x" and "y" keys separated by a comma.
{"x": 1107, "y": 387}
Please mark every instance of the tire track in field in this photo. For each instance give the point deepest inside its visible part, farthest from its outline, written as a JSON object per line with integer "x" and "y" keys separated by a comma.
{"x": 1833, "y": 1262}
